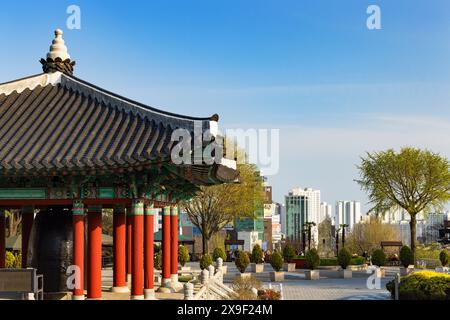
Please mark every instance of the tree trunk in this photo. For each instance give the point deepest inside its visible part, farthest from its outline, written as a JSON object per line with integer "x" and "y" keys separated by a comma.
{"x": 412, "y": 226}
{"x": 205, "y": 246}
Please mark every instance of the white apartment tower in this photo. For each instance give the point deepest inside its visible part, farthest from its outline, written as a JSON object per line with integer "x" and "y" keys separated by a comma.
{"x": 347, "y": 212}
{"x": 313, "y": 199}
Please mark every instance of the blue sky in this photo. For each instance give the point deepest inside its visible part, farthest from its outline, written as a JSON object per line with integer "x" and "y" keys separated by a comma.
{"x": 309, "y": 68}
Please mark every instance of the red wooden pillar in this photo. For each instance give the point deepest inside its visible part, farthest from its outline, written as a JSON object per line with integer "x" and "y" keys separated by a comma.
{"x": 2, "y": 239}
{"x": 78, "y": 216}
{"x": 27, "y": 224}
{"x": 128, "y": 247}
{"x": 119, "y": 247}
{"x": 94, "y": 285}
{"x": 149, "y": 277}
{"x": 165, "y": 284}
{"x": 174, "y": 248}
{"x": 137, "y": 244}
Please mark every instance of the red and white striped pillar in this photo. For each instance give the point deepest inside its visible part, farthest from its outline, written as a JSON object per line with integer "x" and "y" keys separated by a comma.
{"x": 128, "y": 243}
{"x": 119, "y": 248}
{"x": 94, "y": 285}
{"x": 166, "y": 253}
{"x": 78, "y": 216}
{"x": 174, "y": 248}
{"x": 149, "y": 277}
{"x": 27, "y": 225}
{"x": 2, "y": 239}
{"x": 137, "y": 244}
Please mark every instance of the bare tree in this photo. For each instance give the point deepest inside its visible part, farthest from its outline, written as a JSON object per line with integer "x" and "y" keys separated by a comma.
{"x": 213, "y": 207}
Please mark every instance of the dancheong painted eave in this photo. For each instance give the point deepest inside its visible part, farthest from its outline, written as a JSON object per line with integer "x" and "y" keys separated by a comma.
{"x": 55, "y": 122}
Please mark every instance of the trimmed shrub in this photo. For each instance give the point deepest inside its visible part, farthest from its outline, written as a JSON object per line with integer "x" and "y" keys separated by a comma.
{"x": 156, "y": 248}
{"x": 406, "y": 256}
{"x": 183, "y": 255}
{"x": 288, "y": 253}
{"x": 357, "y": 261}
{"x": 422, "y": 285}
{"x": 312, "y": 259}
{"x": 379, "y": 257}
{"x": 205, "y": 261}
{"x": 443, "y": 257}
{"x": 344, "y": 258}
{"x": 276, "y": 261}
{"x": 10, "y": 260}
{"x": 219, "y": 253}
{"x": 18, "y": 262}
{"x": 242, "y": 261}
{"x": 257, "y": 254}
{"x": 158, "y": 260}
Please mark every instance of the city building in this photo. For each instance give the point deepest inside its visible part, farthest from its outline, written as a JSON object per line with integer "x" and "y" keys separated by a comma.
{"x": 325, "y": 210}
{"x": 347, "y": 212}
{"x": 313, "y": 199}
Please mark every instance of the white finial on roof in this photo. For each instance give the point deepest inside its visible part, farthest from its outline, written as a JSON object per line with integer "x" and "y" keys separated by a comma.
{"x": 58, "y": 48}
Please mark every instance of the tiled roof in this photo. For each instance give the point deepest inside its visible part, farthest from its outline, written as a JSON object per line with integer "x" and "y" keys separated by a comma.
{"x": 58, "y": 122}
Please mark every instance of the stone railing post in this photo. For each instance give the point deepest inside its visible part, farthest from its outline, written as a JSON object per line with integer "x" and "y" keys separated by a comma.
{"x": 211, "y": 270}
{"x": 204, "y": 277}
{"x": 188, "y": 291}
{"x": 219, "y": 264}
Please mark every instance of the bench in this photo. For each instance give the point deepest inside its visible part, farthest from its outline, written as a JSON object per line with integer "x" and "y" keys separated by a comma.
{"x": 22, "y": 281}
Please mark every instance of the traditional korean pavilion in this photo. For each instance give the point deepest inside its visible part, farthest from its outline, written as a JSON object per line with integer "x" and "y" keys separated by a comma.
{"x": 69, "y": 149}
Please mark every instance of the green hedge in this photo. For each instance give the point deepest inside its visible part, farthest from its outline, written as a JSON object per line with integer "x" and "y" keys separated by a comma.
{"x": 329, "y": 262}
{"x": 422, "y": 285}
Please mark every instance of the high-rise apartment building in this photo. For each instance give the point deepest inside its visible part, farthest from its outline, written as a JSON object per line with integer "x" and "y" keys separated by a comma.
{"x": 347, "y": 212}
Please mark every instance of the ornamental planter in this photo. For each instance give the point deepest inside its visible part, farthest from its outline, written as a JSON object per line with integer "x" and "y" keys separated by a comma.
{"x": 405, "y": 271}
{"x": 345, "y": 273}
{"x": 244, "y": 275}
{"x": 312, "y": 274}
{"x": 289, "y": 267}
{"x": 276, "y": 276}
{"x": 257, "y": 267}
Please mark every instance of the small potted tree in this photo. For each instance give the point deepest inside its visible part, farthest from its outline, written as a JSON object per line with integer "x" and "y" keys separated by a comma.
{"x": 312, "y": 261}
{"x": 344, "y": 258}
{"x": 288, "y": 254}
{"x": 406, "y": 260}
{"x": 443, "y": 257}
{"x": 379, "y": 259}
{"x": 219, "y": 253}
{"x": 276, "y": 261}
{"x": 183, "y": 257}
{"x": 242, "y": 261}
{"x": 257, "y": 258}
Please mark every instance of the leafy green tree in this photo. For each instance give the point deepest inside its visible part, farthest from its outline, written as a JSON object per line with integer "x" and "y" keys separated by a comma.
{"x": 213, "y": 207}
{"x": 413, "y": 179}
